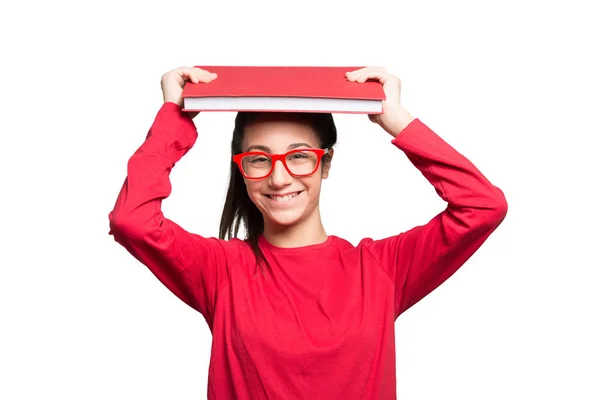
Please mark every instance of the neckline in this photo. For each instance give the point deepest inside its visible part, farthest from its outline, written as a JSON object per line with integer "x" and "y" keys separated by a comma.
{"x": 267, "y": 245}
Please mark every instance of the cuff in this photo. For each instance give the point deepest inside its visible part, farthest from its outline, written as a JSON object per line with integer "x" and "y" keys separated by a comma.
{"x": 405, "y": 135}
{"x": 172, "y": 121}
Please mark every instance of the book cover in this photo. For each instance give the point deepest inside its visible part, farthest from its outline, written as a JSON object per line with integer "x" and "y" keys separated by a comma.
{"x": 272, "y": 87}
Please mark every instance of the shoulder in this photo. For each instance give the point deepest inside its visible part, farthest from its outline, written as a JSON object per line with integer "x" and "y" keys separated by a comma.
{"x": 362, "y": 245}
{"x": 233, "y": 247}
{"x": 347, "y": 244}
{"x": 234, "y": 256}
{"x": 365, "y": 255}
{"x": 215, "y": 250}
{"x": 369, "y": 249}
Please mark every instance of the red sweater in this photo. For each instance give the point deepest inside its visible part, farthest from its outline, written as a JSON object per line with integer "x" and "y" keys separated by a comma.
{"x": 320, "y": 325}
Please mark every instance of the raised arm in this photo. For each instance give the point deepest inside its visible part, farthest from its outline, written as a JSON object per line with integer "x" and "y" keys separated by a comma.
{"x": 194, "y": 268}
{"x": 421, "y": 259}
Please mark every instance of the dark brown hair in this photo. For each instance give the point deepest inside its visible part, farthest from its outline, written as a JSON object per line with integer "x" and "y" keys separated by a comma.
{"x": 238, "y": 205}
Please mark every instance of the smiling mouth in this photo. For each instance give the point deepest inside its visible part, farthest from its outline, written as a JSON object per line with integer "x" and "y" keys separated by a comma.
{"x": 284, "y": 199}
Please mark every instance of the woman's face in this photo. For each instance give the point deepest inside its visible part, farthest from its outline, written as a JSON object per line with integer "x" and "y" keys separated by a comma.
{"x": 277, "y": 136}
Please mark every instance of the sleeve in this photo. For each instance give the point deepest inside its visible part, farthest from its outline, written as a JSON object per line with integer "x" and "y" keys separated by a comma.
{"x": 192, "y": 267}
{"x": 421, "y": 259}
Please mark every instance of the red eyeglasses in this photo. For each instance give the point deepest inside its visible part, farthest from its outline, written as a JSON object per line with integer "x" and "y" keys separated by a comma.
{"x": 298, "y": 162}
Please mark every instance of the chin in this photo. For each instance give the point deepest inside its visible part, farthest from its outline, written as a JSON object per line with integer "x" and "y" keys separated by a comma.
{"x": 284, "y": 218}
{"x": 282, "y": 215}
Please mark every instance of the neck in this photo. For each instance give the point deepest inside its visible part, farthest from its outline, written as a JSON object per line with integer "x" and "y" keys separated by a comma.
{"x": 304, "y": 233}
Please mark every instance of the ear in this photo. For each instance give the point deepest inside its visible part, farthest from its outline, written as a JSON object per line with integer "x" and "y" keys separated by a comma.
{"x": 326, "y": 166}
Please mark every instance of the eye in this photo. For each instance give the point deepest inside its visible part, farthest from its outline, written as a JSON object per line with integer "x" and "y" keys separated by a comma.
{"x": 299, "y": 156}
{"x": 259, "y": 159}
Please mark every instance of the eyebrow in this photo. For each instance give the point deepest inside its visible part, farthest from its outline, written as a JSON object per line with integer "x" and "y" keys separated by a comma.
{"x": 268, "y": 150}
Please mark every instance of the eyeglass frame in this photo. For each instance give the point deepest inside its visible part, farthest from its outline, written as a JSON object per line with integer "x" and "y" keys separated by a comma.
{"x": 281, "y": 157}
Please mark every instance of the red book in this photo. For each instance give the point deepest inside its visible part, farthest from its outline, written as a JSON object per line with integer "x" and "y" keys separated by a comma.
{"x": 287, "y": 89}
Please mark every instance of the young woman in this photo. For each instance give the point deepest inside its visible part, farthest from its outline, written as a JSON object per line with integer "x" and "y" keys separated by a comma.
{"x": 296, "y": 313}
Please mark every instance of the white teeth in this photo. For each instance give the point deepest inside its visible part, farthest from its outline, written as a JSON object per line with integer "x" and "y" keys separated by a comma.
{"x": 283, "y": 199}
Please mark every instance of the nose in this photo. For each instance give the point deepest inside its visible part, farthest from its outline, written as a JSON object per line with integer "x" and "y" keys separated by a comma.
{"x": 280, "y": 177}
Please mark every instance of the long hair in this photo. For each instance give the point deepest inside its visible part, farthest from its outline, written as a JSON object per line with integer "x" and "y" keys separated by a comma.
{"x": 238, "y": 207}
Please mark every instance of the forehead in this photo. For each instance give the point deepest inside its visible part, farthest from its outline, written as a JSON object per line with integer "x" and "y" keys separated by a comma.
{"x": 277, "y": 132}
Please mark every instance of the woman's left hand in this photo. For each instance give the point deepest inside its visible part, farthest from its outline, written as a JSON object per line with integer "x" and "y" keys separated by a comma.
{"x": 394, "y": 117}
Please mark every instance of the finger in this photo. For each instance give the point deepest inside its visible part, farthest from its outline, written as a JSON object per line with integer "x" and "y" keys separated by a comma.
{"x": 358, "y": 74}
{"x": 379, "y": 74}
{"x": 178, "y": 73}
{"x": 364, "y": 70}
{"x": 204, "y": 75}
{"x": 195, "y": 74}
{"x": 191, "y": 75}
{"x": 352, "y": 75}
{"x": 357, "y": 71}
{"x": 372, "y": 74}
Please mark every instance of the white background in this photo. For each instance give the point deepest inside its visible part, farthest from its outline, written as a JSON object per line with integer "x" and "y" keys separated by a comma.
{"x": 513, "y": 85}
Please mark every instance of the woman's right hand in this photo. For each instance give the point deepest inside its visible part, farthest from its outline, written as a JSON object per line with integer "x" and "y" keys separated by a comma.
{"x": 172, "y": 82}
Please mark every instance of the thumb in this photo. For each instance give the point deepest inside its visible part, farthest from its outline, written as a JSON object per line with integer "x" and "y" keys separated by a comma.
{"x": 374, "y": 118}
